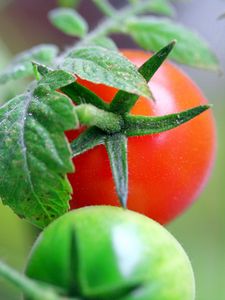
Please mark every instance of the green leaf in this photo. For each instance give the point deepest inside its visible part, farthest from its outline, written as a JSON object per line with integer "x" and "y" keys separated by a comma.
{"x": 88, "y": 140}
{"x": 143, "y": 125}
{"x": 100, "y": 65}
{"x": 35, "y": 155}
{"x": 21, "y": 66}
{"x": 68, "y": 3}
{"x": 54, "y": 79}
{"x": 42, "y": 69}
{"x": 116, "y": 146}
{"x": 103, "y": 42}
{"x": 162, "y": 7}
{"x": 57, "y": 79}
{"x": 81, "y": 95}
{"x": 77, "y": 93}
{"x": 68, "y": 21}
{"x": 152, "y": 33}
{"x": 123, "y": 101}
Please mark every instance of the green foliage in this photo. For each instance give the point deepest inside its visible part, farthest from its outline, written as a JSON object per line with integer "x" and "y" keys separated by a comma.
{"x": 152, "y": 34}
{"x": 35, "y": 156}
{"x": 162, "y": 7}
{"x": 116, "y": 146}
{"x": 56, "y": 79}
{"x": 142, "y": 125}
{"x": 21, "y": 66}
{"x": 9, "y": 90}
{"x": 105, "y": 7}
{"x": 104, "y": 42}
{"x": 81, "y": 95}
{"x": 68, "y": 21}
{"x": 68, "y": 3}
{"x": 101, "y": 65}
{"x": 87, "y": 140}
{"x": 123, "y": 101}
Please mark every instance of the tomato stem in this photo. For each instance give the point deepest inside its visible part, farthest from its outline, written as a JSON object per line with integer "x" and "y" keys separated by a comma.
{"x": 90, "y": 115}
{"x": 30, "y": 287}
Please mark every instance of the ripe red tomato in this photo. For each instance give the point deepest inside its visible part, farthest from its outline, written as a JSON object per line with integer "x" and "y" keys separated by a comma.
{"x": 168, "y": 170}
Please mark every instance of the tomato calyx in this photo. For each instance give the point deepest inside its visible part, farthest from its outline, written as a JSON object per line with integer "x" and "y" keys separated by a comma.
{"x": 111, "y": 124}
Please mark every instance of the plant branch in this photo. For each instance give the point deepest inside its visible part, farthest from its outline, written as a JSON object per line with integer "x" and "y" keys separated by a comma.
{"x": 29, "y": 287}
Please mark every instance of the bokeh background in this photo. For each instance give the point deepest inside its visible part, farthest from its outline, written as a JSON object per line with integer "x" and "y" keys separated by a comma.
{"x": 201, "y": 230}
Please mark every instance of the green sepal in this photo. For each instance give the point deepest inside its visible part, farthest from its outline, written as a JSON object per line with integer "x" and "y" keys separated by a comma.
{"x": 87, "y": 140}
{"x": 81, "y": 95}
{"x": 123, "y": 101}
{"x": 116, "y": 146}
{"x": 149, "y": 68}
{"x": 143, "y": 125}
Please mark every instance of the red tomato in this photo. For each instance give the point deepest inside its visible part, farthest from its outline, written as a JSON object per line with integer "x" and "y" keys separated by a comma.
{"x": 167, "y": 171}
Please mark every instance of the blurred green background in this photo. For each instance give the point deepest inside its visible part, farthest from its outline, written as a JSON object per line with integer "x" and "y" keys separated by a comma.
{"x": 201, "y": 230}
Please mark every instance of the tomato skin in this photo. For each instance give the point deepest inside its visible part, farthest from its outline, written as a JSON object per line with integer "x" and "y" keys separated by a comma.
{"x": 103, "y": 252}
{"x": 167, "y": 171}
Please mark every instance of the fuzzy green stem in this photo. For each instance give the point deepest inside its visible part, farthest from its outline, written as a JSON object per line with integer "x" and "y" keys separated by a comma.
{"x": 90, "y": 115}
{"x": 29, "y": 287}
{"x": 105, "y": 7}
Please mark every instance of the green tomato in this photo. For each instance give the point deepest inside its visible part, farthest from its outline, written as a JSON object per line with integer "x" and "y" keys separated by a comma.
{"x": 104, "y": 252}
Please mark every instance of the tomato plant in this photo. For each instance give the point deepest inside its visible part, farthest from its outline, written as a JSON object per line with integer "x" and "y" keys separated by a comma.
{"x": 106, "y": 252}
{"x": 111, "y": 253}
{"x": 168, "y": 170}
{"x": 165, "y": 171}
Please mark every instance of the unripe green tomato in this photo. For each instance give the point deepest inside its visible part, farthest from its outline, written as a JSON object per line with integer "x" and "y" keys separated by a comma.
{"x": 105, "y": 252}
